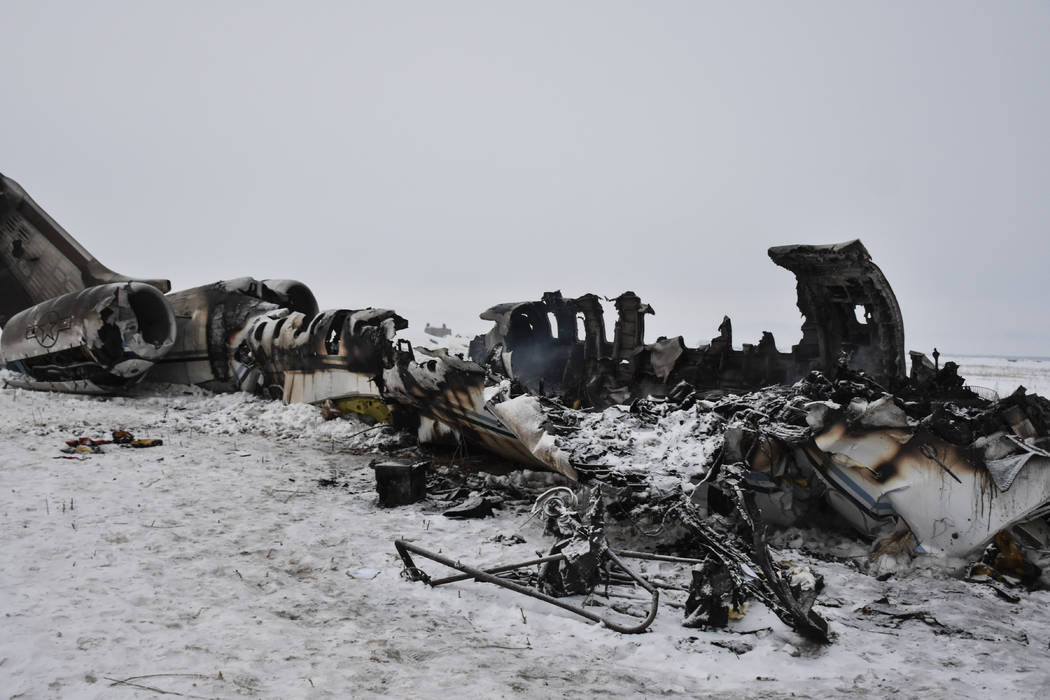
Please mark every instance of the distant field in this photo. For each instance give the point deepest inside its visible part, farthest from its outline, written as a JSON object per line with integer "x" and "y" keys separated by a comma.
{"x": 1003, "y": 375}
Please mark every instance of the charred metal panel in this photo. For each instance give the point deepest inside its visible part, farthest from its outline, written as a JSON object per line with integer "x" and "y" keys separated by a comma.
{"x": 98, "y": 340}
{"x": 953, "y": 497}
{"x": 39, "y": 260}
{"x": 838, "y": 285}
{"x": 941, "y": 482}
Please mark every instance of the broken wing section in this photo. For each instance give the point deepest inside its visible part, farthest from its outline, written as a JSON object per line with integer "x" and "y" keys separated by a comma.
{"x": 850, "y": 310}
{"x": 39, "y": 260}
{"x": 99, "y": 340}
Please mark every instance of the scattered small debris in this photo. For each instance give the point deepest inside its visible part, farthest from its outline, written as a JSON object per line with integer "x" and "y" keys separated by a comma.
{"x": 736, "y": 646}
{"x": 86, "y": 445}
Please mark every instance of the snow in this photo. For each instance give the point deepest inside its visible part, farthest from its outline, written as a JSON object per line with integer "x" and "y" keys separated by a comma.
{"x": 216, "y": 565}
{"x": 1003, "y": 375}
{"x": 671, "y": 450}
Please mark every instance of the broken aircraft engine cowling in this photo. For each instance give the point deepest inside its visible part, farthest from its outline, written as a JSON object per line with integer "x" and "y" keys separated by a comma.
{"x": 98, "y": 340}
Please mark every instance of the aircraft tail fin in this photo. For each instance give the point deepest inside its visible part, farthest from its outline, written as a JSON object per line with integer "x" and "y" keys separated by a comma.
{"x": 39, "y": 259}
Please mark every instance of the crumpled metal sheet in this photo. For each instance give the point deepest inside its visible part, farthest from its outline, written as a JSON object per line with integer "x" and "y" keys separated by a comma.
{"x": 1004, "y": 471}
{"x": 951, "y": 501}
{"x": 664, "y": 355}
{"x": 524, "y": 417}
{"x": 454, "y": 392}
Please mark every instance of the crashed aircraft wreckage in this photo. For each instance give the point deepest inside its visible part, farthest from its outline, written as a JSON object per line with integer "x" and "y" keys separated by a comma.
{"x": 915, "y": 460}
{"x": 837, "y": 285}
{"x": 71, "y": 324}
{"x": 538, "y": 359}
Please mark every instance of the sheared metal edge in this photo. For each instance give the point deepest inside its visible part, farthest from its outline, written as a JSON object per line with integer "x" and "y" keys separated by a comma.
{"x": 524, "y": 417}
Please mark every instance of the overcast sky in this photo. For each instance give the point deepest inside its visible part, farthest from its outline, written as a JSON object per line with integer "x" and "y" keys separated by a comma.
{"x": 441, "y": 157}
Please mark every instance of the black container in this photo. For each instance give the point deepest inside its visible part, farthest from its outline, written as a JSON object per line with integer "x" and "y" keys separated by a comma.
{"x": 400, "y": 483}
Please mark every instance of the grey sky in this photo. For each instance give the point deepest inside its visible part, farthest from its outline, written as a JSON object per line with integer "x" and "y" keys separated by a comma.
{"x": 438, "y": 158}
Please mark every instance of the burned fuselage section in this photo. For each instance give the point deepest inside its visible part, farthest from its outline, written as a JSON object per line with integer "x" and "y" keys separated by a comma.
{"x": 336, "y": 355}
{"x": 918, "y": 454}
{"x": 850, "y": 311}
{"x": 558, "y": 347}
{"x": 561, "y": 358}
{"x": 268, "y": 337}
{"x": 265, "y": 337}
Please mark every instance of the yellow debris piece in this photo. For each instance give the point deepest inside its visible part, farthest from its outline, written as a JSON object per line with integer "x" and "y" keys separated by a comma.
{"x": 366, "y": 406}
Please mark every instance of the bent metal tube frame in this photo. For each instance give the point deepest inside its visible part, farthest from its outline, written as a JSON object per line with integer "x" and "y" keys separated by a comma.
{"x": 406, "y": 549}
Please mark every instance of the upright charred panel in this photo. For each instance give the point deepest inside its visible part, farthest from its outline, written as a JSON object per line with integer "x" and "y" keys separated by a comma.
{"x": 849, "y": 310}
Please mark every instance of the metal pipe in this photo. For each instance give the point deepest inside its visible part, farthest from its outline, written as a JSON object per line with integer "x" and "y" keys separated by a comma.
{"x": 498, "y": 569}
{"x": 404, "y": 548}
{"x": 657, "y": 557}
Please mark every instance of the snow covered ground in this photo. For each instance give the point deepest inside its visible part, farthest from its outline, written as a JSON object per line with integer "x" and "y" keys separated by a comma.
{"x": 217, "y": 565}
{"x": 1003, "y": 375}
